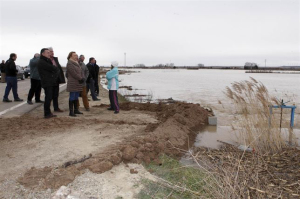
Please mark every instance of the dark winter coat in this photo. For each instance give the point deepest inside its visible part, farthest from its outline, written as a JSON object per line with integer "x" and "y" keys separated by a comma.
{"x": 92, "y": 72}
{"x": 10, "y": 68}
{"x": 74, "y": 75}
{"x": 97, "y": 68}
{"x": 2, "y": 67}
{"x": 48, "y": 72}
{"x": 61, "y": 77}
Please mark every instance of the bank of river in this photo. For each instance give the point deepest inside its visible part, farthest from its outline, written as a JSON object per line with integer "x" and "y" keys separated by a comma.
{"x": 207, "y": 88}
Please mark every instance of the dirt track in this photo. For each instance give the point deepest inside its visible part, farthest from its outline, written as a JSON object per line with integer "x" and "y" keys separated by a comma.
{"x": 40, "y": 148}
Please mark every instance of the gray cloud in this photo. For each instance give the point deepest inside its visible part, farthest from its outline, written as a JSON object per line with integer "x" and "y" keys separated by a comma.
{"x": 152, "y": 32}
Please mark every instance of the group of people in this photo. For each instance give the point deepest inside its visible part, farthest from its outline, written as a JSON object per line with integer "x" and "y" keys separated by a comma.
{"x": 47, "y": 73}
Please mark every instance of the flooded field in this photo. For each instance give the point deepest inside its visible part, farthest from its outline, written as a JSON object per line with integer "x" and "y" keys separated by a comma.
{"x": 207, "y": 88}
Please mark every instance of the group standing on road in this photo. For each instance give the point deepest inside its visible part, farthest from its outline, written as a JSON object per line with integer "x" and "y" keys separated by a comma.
{"x": 46, "y": 72}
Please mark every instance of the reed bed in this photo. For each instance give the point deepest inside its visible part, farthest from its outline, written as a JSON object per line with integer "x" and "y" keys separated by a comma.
{"x": 256, "y": 127}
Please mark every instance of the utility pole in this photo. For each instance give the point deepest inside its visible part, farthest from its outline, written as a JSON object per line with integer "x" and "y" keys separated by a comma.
{"x": 124, "y": 59}
{"x": 265, "y": 63}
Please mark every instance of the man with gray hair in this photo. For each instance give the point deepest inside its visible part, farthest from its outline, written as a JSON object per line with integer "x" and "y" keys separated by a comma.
{"x": 83, "y": 93}
{"x": 59, "y": 80}
{"x": 35, "y": 80}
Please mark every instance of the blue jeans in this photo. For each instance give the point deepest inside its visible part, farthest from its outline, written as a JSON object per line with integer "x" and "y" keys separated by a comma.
{"x": 11, "y": 84}
{"x": 91, "y": 86}
{"x": 74, "y": 96}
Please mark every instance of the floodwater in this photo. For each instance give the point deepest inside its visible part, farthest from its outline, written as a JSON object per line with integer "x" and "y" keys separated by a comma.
{"x": 207, "y": 87}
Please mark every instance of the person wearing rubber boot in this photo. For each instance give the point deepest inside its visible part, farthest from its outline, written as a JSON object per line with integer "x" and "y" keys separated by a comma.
{"x": 75, "y": 82}
{"x": 113, "y": 85}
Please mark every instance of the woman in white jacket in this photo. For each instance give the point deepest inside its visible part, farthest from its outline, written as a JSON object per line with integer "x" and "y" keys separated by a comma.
{"x": 113, "y": 85}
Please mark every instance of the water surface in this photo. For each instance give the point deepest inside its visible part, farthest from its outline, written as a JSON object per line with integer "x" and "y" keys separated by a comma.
{"x": 207, "y": 88}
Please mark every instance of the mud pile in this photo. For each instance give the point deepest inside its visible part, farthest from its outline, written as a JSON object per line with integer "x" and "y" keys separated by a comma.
{"x": 176, "y": 124}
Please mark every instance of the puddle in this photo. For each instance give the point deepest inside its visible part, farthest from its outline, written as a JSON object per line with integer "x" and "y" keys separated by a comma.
{"x": 211, "y": 136}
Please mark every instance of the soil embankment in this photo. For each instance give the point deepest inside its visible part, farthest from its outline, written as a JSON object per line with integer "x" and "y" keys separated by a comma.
{"x": 45, "y": 154}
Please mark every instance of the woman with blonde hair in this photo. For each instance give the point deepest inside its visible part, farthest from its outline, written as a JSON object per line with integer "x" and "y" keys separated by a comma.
{"x": 75, "y": 82}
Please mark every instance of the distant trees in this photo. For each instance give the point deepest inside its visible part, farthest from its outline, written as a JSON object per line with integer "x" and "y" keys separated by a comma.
{"x": 167, "y": 65}
{"x": 140, "y": 65}
{"x": 250, "y": 65}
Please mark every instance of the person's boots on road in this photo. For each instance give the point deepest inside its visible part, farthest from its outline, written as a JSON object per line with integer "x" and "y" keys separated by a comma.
{"x": 71, "y": 108}
{"x": 76, "y": 110}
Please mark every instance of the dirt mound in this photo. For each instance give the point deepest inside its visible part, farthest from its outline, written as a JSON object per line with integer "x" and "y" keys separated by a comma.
{"x": 176, "y": 123}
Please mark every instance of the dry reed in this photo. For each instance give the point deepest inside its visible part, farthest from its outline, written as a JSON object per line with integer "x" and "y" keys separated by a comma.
{"x": 256, "y": 127}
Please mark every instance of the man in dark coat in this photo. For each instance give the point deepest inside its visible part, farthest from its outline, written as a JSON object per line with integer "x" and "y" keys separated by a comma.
{"x": 60, "y": 80}
{"x": 2, "y": 68}
{"x": 91, "y": 79}
{"x": 97, "y": 69}
{"x": 49, "y": 75}
{"x": 35, "y": 80}
{"x": 11, "y": 79}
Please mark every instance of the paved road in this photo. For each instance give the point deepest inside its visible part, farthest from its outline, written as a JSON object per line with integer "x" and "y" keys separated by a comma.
{"x": 18, "y": 108}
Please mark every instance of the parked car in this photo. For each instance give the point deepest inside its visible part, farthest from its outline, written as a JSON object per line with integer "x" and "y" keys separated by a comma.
{"x": 20, "y": 74}
{"x": 27, "y": 72}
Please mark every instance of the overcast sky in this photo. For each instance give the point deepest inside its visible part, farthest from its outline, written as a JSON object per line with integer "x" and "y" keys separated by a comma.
{"x": 151, "y": 32}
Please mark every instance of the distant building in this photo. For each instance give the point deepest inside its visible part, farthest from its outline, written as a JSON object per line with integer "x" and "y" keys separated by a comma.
{"x": 250, "y": 66}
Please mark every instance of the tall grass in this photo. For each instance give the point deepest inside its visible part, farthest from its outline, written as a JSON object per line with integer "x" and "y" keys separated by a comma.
{"x": 256, "y": 127}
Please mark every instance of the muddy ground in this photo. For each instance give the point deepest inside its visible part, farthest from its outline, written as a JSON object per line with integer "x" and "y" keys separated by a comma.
{"x": 39, "y": 156}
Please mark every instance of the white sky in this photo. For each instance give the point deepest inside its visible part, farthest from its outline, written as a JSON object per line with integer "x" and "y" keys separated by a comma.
{"x": 152, "y": 32}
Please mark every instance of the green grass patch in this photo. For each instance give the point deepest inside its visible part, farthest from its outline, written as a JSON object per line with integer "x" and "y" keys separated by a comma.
{"x": 174, "y": 172}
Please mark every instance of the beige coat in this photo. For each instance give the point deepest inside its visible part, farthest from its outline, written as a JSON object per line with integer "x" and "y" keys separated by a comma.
{"x": 74, "y": 74}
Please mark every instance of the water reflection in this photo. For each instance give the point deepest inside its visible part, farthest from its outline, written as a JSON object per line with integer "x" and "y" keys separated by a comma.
{"x": 212, "y": 135}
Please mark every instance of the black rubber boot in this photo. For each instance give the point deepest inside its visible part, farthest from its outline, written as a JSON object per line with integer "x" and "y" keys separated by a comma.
{"x": 71, "y": 105}
{"x": 76, "y": 111}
